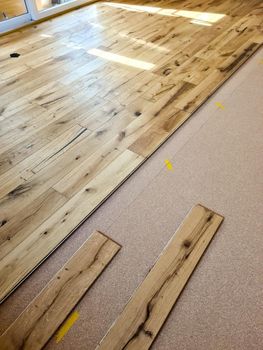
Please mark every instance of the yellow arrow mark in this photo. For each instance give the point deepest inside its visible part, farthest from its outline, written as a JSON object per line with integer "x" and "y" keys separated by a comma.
{"x": 168, "y": 164}
{"x": 219, "y": 105}
{"x": 66, "y": 326}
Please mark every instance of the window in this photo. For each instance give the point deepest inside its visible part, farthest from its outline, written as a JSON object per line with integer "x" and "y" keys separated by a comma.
{"x": 15, "y": 13}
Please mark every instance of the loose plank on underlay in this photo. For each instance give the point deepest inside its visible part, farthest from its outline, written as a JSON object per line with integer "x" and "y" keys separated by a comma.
{"x": 34, "y": 327}
{"x": 148, "y": 308}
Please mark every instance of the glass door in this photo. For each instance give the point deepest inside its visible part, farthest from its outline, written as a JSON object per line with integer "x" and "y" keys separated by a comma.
{"x": 12, "y": 8}
{"x": 46, "y": 8}
{"x": 47, "y": 4}
{"x": 13, "y": 13}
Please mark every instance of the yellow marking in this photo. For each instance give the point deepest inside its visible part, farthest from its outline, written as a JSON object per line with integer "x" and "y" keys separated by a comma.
{"x": 261, "y": 61}
{"x": 66, "y": 326}
{"x": 219, "y": 105}
{"x": 168, "y": 164}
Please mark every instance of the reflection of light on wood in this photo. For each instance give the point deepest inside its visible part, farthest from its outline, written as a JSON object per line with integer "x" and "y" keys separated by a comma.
{"x": 46, "y": 35}
{"x": 201, "y": 16}
{"x": 96, "y": 25}
{"x": 145, "y": 43}
{"x": 135, "y": 8}
{"x": 202, "y": 23}
{"x": 121, "y": 59}
{"x": 72, "y": 45}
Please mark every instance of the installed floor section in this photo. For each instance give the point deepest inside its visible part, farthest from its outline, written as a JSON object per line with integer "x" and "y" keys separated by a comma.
{"x": 217, "y": 160}
{"x": 92, "y": 95}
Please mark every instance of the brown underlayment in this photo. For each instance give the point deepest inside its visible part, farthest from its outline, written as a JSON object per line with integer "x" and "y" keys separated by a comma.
{"x": 217, "y": 160}
{"x": 86, "y": 121}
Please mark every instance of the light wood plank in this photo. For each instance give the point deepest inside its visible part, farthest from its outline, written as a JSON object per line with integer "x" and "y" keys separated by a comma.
{"x": 34, "y": 327}
{"x": 150, "y": 305}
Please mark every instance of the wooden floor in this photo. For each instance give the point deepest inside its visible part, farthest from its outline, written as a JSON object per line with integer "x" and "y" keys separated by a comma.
{"x": 92, "y": 95}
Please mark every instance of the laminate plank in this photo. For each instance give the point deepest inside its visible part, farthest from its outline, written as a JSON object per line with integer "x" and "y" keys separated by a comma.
{"x": 75, "y": 112}
{"x": 142, "y": 318}
{"x": 35, "y": 326}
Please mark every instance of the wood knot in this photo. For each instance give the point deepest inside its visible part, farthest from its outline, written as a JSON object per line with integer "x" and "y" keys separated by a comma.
{"x": 149, "y": 333}
{"x": 122, "y": 135}
{"x": 3, "y": 222}
{"x": 137, "y": 113}
{"x": 209, "y": 217}
{"x": 167, "y": 71}
{"x": 101, "y": 132}
{"x": 14, "y": 55}
{"x": 187, "y": 243}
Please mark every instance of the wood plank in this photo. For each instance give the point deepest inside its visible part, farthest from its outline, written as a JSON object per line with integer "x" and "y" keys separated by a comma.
{"x": 15, "y": 229}
{"x": 139, "y": 323}
{"x": 34, "y": 327}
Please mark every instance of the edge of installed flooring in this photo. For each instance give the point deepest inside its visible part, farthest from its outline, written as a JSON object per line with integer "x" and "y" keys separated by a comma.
{"x": 132, "y": 172}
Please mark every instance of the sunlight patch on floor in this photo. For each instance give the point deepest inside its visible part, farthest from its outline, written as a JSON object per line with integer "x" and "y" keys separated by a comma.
{"x": 201, "y": 16}
{"x": 121, "y": 59}
{"x": 146, "y": 43}
{"x": 201, "y": 23}
{"x": 46, "y": 35}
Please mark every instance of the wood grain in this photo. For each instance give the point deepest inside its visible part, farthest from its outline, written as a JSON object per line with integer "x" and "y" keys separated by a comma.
{"x": 34, "y": 327}
{"x": 145, "y": 313}
{"x": 74, "y": 126}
